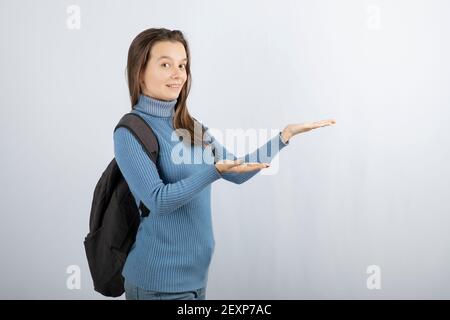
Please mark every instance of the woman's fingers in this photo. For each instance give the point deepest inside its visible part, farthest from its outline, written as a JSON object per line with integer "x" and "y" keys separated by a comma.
{"x": 239, "y": 166}
{"x": 255, "y": 164}
{"x": 230, "y": 163}
{"x": 305, "y": 127}
{"x": 226, "y": 165}
{"x": 324, "y": 123}
{"x": 246, "y": 167}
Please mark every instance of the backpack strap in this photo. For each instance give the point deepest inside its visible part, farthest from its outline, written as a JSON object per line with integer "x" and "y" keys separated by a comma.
{"x": 146, "y": 137}
{"x": 142, "y": 132}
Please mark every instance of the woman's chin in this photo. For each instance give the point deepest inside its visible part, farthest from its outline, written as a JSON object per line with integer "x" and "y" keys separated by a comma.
{"x": 167, "y": 97}
{"x": 172, "y": 97}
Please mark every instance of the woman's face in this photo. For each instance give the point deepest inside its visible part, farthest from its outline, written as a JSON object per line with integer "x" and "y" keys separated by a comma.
{"x": 166, "y": 66}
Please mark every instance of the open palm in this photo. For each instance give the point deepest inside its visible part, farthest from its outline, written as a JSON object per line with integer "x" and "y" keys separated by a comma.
{"x": 238, "y": 166}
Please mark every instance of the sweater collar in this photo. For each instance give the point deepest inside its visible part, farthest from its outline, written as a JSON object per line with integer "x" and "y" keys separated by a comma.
{"x": 156, "y": 107}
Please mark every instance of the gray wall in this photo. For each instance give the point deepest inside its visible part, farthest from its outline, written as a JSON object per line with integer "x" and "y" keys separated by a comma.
{"x": 370, "y": 190}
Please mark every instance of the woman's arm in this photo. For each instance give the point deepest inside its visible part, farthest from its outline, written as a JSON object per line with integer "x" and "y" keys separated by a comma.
{"x": 267, "y": 151}
{"x": 143, "y": 178}
{"x": 263, "y": 154}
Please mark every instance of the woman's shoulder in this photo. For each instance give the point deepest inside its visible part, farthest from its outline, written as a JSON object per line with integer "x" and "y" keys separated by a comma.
{"x": 123, "y": 131}
{"x": 199, "y": 122}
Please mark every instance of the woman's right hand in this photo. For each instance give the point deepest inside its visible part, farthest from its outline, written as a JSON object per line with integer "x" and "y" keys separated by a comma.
{"x": 239, "y": 166}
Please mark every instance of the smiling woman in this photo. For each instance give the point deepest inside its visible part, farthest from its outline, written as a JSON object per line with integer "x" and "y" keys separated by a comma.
{"x": 165, "y": 73}
{"x": 159, "y": 67}
{"x": 174, "y": 243}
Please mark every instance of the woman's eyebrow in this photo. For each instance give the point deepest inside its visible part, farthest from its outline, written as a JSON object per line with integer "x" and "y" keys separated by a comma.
{"x": 167, "y": 57}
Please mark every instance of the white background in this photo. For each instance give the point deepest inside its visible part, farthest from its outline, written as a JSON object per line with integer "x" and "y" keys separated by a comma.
{"x": 370, "y": 190}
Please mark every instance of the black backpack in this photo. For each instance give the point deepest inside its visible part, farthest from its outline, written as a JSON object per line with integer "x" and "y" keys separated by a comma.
{"x": 115, "y": 218}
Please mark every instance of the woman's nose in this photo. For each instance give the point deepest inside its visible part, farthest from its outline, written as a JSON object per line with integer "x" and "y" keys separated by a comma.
{"x": 177, "y": 73}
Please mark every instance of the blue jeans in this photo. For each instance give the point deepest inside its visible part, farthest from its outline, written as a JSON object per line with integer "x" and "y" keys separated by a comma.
{"x": 133, "y": 292}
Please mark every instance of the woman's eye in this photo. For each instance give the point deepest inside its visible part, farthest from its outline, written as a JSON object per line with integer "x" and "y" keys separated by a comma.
{"x": 184, "y": 66}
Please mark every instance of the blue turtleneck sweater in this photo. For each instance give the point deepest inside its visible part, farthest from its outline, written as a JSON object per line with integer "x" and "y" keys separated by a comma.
{"x": 175, "y": 243}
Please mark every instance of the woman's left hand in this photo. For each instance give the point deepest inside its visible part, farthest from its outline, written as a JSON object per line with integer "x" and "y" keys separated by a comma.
{"x": 294, "y": 129}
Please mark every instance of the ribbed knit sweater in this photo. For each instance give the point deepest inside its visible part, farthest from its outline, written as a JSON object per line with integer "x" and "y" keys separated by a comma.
{"x": 175, "y": 243}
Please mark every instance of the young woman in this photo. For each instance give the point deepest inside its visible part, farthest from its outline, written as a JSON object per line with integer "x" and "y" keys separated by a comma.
{"x": 175, "y": 243}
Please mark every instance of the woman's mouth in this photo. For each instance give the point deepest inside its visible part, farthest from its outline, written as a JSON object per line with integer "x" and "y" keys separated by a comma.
{"x": 174, "y": 86}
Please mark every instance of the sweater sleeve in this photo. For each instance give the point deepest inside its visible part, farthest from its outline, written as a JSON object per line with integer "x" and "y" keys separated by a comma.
{"x": 143, "y": 179}
{"x": 265, "y": 153}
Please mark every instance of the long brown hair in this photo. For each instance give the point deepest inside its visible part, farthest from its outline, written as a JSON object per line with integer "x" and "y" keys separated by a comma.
{"x": 138, "y": 56}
